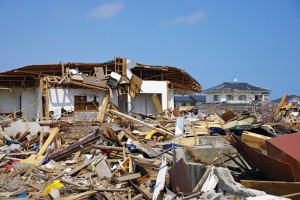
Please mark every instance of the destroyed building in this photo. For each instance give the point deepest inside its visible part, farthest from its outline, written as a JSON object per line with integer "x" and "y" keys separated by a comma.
{"x": 132, "y": 144}
{"x": 82, "y": 90}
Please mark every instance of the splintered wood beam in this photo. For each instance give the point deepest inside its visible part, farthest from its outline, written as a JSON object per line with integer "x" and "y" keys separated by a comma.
{"x": 157, "y": 103}
{"x": 109, "y": 148}
{"x": 77, "y": 169}
{"x": 62, "y": 69}
{"x": 38, "y": 158}
{"x": 103, "y": 108}
{"x": 84, "y": 85}
{"x": 46, "y": 99}
{"x": 141, "y": 122}
{"x": 128, "y": 177}
{"x": 77, "y": 146}
{"x": 278, "y": 188}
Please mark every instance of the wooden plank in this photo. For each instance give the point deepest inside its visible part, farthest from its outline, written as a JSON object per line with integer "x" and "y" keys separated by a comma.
{"x": 141, "y": 122}
{"x": 62, "y": 69}
{"x": 46, "y": 99}
{"x": 2, "y": 155}
{"x": 77, "y": 196}
{"x": 41, "y": 137}
{"x": 295, "y": 195}
{"x": 85, "y": 85}
{"x": 157, "y": 103}
{"x": 85, "y": 164}
{"x": 120, "y": 196}
{"x": 255, "y": 140}
{"x": 109, "y": 148}
{"x": 39, "y": 157}
{"x": 48, "y": 141}
{"x": 76, "y": 146}
{"x": 201, "y": 181}
{"x": 137, "y": 197}
{"x": 62, "y": 79}
{"x": 103, "y": 108}
{"x": 128, "y": 177}
{"x": 102, "y": 170}
{"x": 278, "y": 188}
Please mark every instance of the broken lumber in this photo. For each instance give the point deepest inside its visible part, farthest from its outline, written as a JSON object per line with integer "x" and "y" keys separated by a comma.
{"x": 76, "y": 146}
{"x": 141, "y": 122}
{"x": 85, "y": 164}
{"x": 38, "y": 158}
{"x": 128, "y": 177}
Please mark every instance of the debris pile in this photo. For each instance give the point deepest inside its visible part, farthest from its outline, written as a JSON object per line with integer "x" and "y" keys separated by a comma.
{"x": 109, "y": 131}
{"x": 171, "y": 155}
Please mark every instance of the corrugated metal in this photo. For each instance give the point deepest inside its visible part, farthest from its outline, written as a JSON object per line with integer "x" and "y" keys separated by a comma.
{"x": 286, "y": 148}
{"x": 179, "y": 178}
{"x": 271, "y": 168}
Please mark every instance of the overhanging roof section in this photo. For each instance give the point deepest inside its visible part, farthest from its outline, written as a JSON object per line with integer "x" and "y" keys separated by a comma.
{"x": 29, "y": 76}
{"x": 182, "y": 82}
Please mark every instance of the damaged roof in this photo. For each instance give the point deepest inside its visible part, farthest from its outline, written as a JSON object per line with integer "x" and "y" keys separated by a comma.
{"x": 28, "y": 76}
{"x": 235, "y": 86}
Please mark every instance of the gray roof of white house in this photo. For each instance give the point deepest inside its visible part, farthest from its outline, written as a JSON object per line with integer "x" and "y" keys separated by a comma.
{"x": 235, "y": 86}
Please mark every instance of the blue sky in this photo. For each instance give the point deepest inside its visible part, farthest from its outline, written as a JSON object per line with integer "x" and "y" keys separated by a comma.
{"x": 256, "y": 41}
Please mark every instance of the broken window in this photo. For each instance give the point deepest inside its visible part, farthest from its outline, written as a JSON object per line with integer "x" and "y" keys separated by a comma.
{"x": 242, "y": 97}
{"x": 217, "y": 97}
{"x": 81, "y": 104}
{"x": 229, "y": 97}
{"x": 258, "y": 97}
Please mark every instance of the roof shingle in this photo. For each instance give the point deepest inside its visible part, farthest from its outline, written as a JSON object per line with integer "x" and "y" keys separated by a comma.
{"x": 235, "y": 86}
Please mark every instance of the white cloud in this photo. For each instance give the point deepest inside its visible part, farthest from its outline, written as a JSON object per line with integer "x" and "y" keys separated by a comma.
{"x": 106, "y": 11}
{"x": 193, "y": 18}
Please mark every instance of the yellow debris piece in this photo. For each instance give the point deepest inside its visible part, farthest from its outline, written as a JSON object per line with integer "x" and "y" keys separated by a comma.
{"x": 56, "y": 184}
{"x": 150, "y": 134}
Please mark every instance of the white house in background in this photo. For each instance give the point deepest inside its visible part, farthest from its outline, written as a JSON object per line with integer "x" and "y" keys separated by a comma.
{"x": 236, "y": 93}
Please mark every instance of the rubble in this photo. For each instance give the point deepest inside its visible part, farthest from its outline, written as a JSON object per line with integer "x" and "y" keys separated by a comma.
{"x": 123, "y": 160}
{"x": 171, "y": 154}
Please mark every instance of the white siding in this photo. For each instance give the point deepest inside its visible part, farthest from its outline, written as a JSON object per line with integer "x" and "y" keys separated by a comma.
{"x": 20, "y": 99}
{"x": 64, "y": 98}
{"x": 223, "y": 97}
{"x": 157, "y": 87}
{"x": 148, "y": 88}
{"x": 30, "y": 100}
{"x": 10, "y": 101}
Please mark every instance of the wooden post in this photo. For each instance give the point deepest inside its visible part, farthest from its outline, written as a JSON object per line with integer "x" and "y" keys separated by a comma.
{"x": 62, "y": 69}
{"x": 124, "y": 67}
{"x": 157, "y": 103}
{"x": 47, "y": 100}
{"x": 201, "y": 181}
{"x": 103, "y": 108}
{"x": 41, "y": 137}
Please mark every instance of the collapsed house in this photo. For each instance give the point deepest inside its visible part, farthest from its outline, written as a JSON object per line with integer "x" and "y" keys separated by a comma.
{"x": 133, "y": 154}
{"x": 83, "y": 90}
